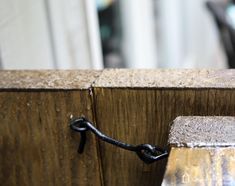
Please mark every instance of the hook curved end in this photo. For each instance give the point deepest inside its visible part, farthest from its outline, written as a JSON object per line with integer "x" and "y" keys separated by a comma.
{"x": 80, "y": 125}
{"x": 149, "y": 153}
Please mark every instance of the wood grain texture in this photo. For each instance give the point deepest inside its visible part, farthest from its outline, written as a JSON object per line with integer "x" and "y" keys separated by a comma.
{"x": 37, "y": 148}
{"x": 138, "y": 106}
{"x": 36, "y": 145}
{"x": 200, "y": 166}
{"x": 203, "y": 151}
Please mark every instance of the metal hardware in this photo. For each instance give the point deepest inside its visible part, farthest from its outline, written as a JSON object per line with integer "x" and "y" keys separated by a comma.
{"x": 146, "y": 152}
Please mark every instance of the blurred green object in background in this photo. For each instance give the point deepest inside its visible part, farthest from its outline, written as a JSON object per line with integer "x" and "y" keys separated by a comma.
{"x": 103, "y": 4}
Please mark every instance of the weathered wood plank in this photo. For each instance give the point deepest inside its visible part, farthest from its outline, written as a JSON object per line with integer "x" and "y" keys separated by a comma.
{"x": 200, "y": 166}
{"x": 202, "y": 152}
{"x": 136, "y": 106}
{"x": 207, "y": 131}
{"x": 167, "y": 78}
{"x": 47, "y": 79}
{"x": 36, "y": 145}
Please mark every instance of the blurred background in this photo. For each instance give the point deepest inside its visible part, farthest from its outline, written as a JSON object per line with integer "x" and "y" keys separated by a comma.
{"x": 72, "y": 34}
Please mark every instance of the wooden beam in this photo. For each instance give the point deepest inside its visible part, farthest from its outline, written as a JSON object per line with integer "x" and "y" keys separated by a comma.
{"x": 47, "y": 79}
{"x": 36, "y": 145}
{"x": 200, "y": 166}
{"x": 202, "y": 153}
{"x": 192, "y": 131}
{"x": 136, "y": 106}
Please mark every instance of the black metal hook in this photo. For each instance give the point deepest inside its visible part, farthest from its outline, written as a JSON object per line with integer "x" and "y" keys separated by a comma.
{"x": 146, "y": 152}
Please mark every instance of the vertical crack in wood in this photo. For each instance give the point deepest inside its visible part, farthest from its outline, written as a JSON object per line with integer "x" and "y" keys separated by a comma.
{"x": 93, "y": 103}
